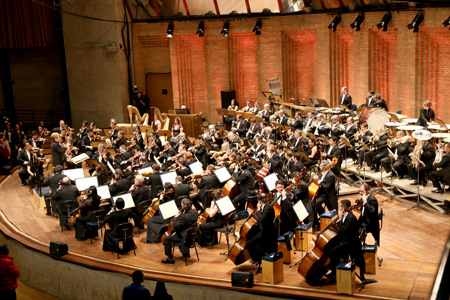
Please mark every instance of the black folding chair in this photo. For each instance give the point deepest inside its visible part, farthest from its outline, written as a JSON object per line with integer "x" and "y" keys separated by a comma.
{"x": 127, "y": 231}
{"x": 191, "y": 240}
{"x": 66, "y": 208}
{"x": 97, "y": 222}
{"x": 228, "y": 228}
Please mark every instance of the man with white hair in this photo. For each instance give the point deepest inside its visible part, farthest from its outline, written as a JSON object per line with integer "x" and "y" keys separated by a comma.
{"x": 210, "y": 134}
{"x": 266, "y": 113}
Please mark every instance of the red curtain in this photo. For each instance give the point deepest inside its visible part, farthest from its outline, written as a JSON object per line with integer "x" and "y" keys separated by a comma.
{"x": 25, "y": 24}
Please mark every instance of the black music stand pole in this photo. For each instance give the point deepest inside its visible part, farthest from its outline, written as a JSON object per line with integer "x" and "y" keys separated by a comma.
{"x": 418, "y": 205}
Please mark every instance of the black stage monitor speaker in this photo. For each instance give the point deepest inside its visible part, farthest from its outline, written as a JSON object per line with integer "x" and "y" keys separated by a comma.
{"x": 58, "y": 248}
{"x": 227, "y": 96}
{"x": 242, "y": 279}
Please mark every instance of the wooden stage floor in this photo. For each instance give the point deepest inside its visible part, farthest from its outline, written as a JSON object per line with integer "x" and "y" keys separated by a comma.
{"x": 412, "y": 243}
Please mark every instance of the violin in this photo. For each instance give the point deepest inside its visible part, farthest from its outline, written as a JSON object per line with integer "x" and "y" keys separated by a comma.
{"x": 146, "y": 174}
{"x": 197, "y": 176}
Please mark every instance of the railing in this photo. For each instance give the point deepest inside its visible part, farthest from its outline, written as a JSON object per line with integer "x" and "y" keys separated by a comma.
{"x": 31, "y": 118}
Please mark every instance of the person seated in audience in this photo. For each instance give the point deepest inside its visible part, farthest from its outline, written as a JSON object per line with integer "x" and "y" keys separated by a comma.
{"x": 135, "y": 290}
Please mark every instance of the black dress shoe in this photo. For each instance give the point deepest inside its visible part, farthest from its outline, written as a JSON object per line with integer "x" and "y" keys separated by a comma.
{"x": 24, "y": 183}
{"x": 424, "y": 182}
{"x": 438, "y": 191}
{"x": 48, "y": 214}
{"x": 414, "y": 183}
{"x": 168, "y": 261}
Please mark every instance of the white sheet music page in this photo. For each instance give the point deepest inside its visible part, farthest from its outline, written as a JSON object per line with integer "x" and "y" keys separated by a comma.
{"x": 168, "y": 209}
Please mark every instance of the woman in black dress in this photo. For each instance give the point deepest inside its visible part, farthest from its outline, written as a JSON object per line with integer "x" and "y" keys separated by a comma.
{"x": 156, "y": 223}
{"x": 207, "y": 235}
{"x": 88, "y": 205}
{"x": 233, "y": 106}
{"x": 115, "y": 217}
{"x": 36, "y": 172}
{"x": 177, "y": 128}
{"x": 313, "y": 154}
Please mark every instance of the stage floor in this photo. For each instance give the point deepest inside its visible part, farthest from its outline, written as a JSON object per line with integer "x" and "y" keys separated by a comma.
{"x": 412, "y": 243}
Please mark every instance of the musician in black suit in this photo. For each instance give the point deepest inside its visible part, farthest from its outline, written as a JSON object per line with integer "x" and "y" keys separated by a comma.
{"x": 253, "y": 129}
{"x": 327, "y": 192}
{"x": 369, "y": 213}
{"x": 245, "y": 179}
{"x": 269, "y": 135}
{"x": 63, "y": 193}
{"x": 266, "y": 113}
{"x": 345, "y": 98}
{"x": 333, "y": 151}
{"x": 370, "y": 100}
{"x": 401, "y": 149}
{"x": 334, "y": 128}
{"x": 257, "y": 150}
{"x": 248, "y": 107}
{"x": 427, "y": 115}
{"x": 301, "y": 193}
{"x": 119, "y": 183}
{"x": 284, "y": 200}
{"x": 182, "y": 223}
{"x": 282, "y": 118}
{"x": 58, "y": 151}
{"x": 379, "y": 150}
{"x": 184, "y": 171}
{"x": 276, "y": 163}
{"x": 319, "y": 127}
{"x": 153, "y": 150}
{"x": 381, "y": 103}
{"x": 168, "y": 153}
{"x": 308, "y": 122}
{"x": 154, "y": 180}
{"x": 348, "y": 243}
{"x": 115, "y": 217}
{"x": 54, "y": 183}
{"x": 123, "y": 160}
{"x": 200, "y": 152}
{"x": 427, "y": 157}
{"x": 349, "y": 132}
{"x": 114, "y": 133}
{"x": 288, "y": 163}
{"x": 207, "y": 182}
{"x": 263, "y": 241}
{"x": 256, "y": 109}
{"x": 298, "y": 164}
{"x": 181, "y": 189}
{"x": 444, "y": 172}
{"x": 24, "y": 158}
{"x": 140, "y": 193}
{"x": 241, "y": 126}
{"x": 86, "y": 143}
{"x": 362, "y": 138}
{"x": 298, "y": 124}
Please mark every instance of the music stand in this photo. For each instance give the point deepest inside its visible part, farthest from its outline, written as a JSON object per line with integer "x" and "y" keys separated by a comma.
{"x": 312, "y": 136}
{"x": 395, "y": 157}
{"x": 303, "y": 156}
{"x": 83, "y": 184}
{"x": 196, "y": 167}
{"x": 168, "y": 209}
{"x": 267, "y": 94}
{"x": 305, "y": 102}
{"x": 258, "y": 119}
{"x": 325, "y": 139}
{"x": 323, "y": 103}
{"x": 441, "y": 124}
{"x": 91, "y": 163}
{"x": 103, "y": 192}
{"x": 345, "y": 108}
{"x": 222, "y": 174}
{"x": 269, "y": 181}
{"x": 145, "y": 170}
{"x": 129, "y": 203}
{"x": 80, "y": 158}
{"x": 74, "y": 173}
{"x": 302, "y": 214}
{"x": 168, "y": 177}
{"x": 394, "y": 117}
{"x": 225, "y": 205}
{"x": 146, "y": 129}
{"x": 277, "y": 98}
{"x": 418, "y": 205}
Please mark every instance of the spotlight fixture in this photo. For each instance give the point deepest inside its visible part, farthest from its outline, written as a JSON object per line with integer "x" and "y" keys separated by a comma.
{"x": 257, "y": 29}
{"x": 201, "y": 29}
{"x": 384, "y": 22}
{"x": 170, "y": 30}
{"x": 335, "y": 23}
{"x": 446, "y": 22}
{"x": 224, "y": 31}
{"x": 358, "y": 22}
{"x": 416, "y": 22}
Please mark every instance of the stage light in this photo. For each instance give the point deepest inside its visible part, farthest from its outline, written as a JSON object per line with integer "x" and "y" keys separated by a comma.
{"x": 335, "y": 23}
{"x": 201, "y": 30}
{"x": 446, "y": 22}
{"x": 170, "y": 31}
{"x": 384, "y": 22}
{"x": 358, "y": 22}
{"x": 257, "y": 29}
{"x": 416, "y": 22}
{"x": 224, "y": 31}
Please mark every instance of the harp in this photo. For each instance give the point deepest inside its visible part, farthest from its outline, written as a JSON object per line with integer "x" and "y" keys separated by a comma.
{"x": 163, "y": 118}
{"x": 140, "y": 121}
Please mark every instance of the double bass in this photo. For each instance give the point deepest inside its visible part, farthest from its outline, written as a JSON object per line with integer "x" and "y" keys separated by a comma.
{"x": 239, "y": 253}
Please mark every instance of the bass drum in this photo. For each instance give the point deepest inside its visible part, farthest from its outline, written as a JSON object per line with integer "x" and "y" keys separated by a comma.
{"x": 374, "y": 117}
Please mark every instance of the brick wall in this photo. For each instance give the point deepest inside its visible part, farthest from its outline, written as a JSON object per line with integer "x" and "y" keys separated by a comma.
{"x": 309, "y": 59}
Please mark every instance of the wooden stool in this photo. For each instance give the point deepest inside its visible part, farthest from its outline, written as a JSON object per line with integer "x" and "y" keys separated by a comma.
{"x": 371, "y": 258}
{"x": 272, "y": 268}
{"x": 39, "y": 199}
{"x": 345, "y": 278}
{"x": 326, "y": 218}
{"x": 288, "y": 255}
{"x": 303, "y": 237}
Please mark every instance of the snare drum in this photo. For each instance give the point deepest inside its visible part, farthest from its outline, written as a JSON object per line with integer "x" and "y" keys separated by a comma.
{"x": 374, "y": 117}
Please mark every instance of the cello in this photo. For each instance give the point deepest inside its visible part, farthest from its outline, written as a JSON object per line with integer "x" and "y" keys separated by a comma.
{"x": 314, "y": 185}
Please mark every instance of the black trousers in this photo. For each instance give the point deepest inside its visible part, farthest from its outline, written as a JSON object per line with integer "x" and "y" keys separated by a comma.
{"x": 422, "y": 171}
{"x": 23, "y": 174}
{"x": 352, "y": 153}
{"x": 174, "y": 240}
{"x": 436, "y": 175}
{"x": 373, "y": 158}
{"x": 343, "y": 250}
{"x": 396, "y": 164}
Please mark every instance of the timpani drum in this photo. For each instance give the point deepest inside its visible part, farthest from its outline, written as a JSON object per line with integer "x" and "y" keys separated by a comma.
{"x": 409, "y": 129}
{"x": 374, "y": 117}
{"x": 392, "y": 128}
{"x": 410, "y": 121}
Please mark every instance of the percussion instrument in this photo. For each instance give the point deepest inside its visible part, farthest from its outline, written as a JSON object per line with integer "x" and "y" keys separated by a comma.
{"x": 410, "y": 121}
{"x": 422, "y": 135}
{"x": 393, "y": 127}
{"x": 409, "y": 129}
{"x": 374, "y": 117}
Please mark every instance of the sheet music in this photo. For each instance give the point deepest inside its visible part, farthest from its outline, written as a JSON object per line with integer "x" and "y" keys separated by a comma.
{"x": 168, "y": 177}
{"x": 300, "y": 211}
{"x": 157, "y": 161}
{"x": 225, "y": 205}
{"x": 222, "y": 174}
{"x": 103, "y": 192}
{"x": 129, "y": 203}
{"x": 80, "y": 158}
{"x": 84, "y": 183}
{"x": 270, "y": 180}
{"x": 74, "y": 173}
{"x": 168, "y": 209}
{"x": 196, "y": 168}
{"x": 111, "y": 167}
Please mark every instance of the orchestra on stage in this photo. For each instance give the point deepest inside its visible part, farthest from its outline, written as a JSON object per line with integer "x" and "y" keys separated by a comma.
{"x": 253, "y": 169}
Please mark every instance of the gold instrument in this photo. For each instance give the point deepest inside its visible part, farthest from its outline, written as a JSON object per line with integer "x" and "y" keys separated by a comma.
{"x": 439, "y": 153}
{"x": 392, "y": 143}
{"x": 142, "y": 120}
{"x": 421, "y": 136}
